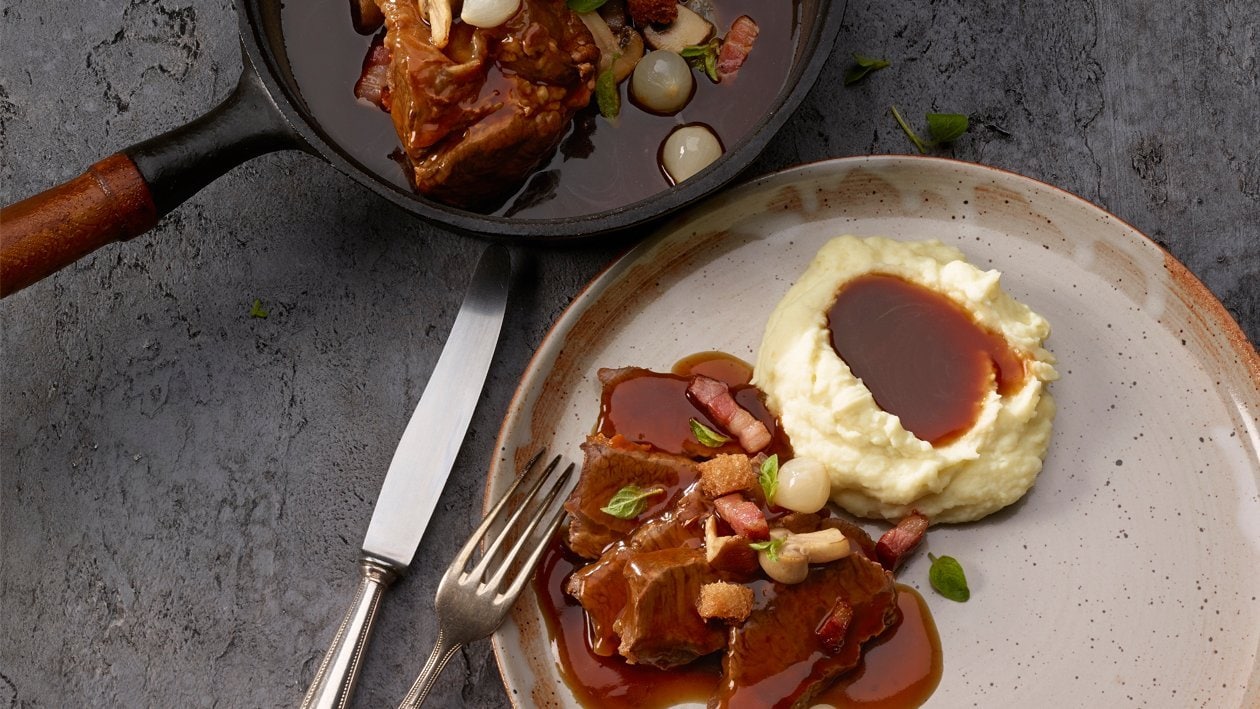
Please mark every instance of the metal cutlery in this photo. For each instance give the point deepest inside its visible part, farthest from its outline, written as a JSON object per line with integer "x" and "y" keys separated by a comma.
{"x": 472, "y": 603}
{"x": 418, "y": 472}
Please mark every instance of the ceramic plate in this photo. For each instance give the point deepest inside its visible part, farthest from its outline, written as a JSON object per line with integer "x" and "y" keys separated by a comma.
{"x": 1129, "y": 575}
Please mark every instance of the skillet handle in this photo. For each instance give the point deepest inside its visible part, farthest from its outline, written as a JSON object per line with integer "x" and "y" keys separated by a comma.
{"x": 41, "y": 234}
{"x": 126, "y": 194}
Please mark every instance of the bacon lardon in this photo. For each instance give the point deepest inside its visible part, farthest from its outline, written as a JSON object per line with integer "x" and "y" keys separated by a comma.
{"x": 744, "y": 517}
{"x": 899, "y": 541}
{"x": 373, "y": 83}
{"x": 736, "y": 46}
{"x": 835, "y": 625}
{"x": 716, "y": 400}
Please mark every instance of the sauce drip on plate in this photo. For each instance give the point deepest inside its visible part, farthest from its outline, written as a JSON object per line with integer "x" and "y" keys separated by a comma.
{"x": 723, "y": 367}
{"x": 921, "y": 355}
{"x": 599, "y": 681}
{"x": 900, "y": 669}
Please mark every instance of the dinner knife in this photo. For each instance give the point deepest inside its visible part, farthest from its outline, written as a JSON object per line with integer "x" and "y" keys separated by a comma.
{"x": 418, "y": 473}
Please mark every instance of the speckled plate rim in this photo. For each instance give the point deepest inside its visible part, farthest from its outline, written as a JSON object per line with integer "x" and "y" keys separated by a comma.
{"x": 1209, "y": 333}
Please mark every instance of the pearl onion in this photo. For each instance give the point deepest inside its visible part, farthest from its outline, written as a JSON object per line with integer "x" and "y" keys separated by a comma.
{"x": 689, "y": 150}
{"x": 662, "y": 82}
{"x": 488, "y": 13}
{"x": 803, "y": 485}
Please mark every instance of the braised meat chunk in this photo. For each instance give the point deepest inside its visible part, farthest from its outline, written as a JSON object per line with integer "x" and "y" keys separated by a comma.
{"x": 653, "y": 11}
{"x": 478, "y": 115}
{"x": 778, "y": 658}
{"x": 661, "y": 625}
{"x": 610, "y": 465}
{"x": 601, "y": 587}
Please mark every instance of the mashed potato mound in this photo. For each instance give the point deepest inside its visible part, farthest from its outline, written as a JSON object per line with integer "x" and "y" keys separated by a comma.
{"x": 877, "y": 467}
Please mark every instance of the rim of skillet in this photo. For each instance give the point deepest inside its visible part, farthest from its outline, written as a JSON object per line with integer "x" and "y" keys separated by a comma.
{"x": 815, "y": 48}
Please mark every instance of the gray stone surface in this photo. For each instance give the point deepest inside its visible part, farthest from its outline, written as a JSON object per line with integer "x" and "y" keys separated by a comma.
{"x": 184, "y": 487}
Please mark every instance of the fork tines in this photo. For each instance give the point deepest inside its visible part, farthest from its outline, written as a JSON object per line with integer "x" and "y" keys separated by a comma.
{"x": 520, "y": 527}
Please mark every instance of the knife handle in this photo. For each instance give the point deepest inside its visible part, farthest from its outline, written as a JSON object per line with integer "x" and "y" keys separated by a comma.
{"x": 339, "y": 671}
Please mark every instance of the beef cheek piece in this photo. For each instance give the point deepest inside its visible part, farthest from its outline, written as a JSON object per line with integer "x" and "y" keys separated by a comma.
{"x": 611, "y": 464}
{"x": 777, "y": 657}
{"x": 476, "y": 117}
{"x": 660, "y": 624}
{"x": 602, "y": 587}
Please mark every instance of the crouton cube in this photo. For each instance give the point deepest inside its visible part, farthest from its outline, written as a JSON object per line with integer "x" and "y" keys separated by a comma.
{"x": 729, "y": 601}
{"x": 726, "y": 474}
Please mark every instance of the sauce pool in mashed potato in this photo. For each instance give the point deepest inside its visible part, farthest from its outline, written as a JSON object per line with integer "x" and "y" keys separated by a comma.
{"x": 913, "y": 377}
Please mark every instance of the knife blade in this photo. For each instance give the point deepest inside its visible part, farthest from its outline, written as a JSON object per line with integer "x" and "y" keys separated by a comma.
{"x": 418, "y": 472}
{"x": 433, "y": 436}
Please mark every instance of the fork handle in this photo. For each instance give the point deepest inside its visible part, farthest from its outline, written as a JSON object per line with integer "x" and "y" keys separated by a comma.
{"x": 442, "y": 653}
{"x": 339, "y": 671}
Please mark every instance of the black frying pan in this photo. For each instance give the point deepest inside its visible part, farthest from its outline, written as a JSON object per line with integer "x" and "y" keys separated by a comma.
{"x": 125, "y": 194}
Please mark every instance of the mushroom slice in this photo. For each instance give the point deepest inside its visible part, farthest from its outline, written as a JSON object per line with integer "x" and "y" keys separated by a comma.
{"x": 822, "y": 546}
{"x": 619, "y": 50}
{"x": 729, "y": 554}
{"x": 710, "y": 537}
{"x": 630, "y": 46}
{"x": 603, "y": 36}
{"x": 688, "y": 30}
{"x": 789, "y": 565}
{"x": 440, "y": 15}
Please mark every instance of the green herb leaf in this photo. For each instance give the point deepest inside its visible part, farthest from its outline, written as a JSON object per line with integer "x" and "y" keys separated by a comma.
{"x": 946, "y": 127}
{"x": 585, "y": 5}
{"x": 771, "y": 548}
{"x": 863, "y": 65}
{"x": 703, "y": 57}
{"x": 256, "y": 310}
{"x": 769, "y": 477}
{"x": 943, "y": 127}
{"x": 707, "y": 436}
{"x": 870, "y": 62}
{"x": 630, "y": 501}
{"x": 946, "y": 576}
{"x": 607, "y": 97}
{"x": 914, "y": 137}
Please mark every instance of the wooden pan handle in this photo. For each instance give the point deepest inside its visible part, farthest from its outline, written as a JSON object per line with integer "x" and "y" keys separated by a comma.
{"x": 41, "y": 234}
{"x": 125, "y": 194}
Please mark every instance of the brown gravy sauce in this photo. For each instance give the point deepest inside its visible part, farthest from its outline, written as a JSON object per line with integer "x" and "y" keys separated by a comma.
{"x": 599, "y": 165}
{"x": 922, "y": 356}
{"x": 598, "y": 681}
{"x": 900, "y": 669}
{"x": 653, "y": 407}
{"x": 723, "y": 367}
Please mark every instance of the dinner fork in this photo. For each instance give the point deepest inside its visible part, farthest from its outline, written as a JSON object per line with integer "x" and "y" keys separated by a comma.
{"x": 470, "y": 607}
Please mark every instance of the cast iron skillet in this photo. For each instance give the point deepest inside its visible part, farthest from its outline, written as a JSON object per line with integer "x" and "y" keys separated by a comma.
{"x": 125, "y": 194}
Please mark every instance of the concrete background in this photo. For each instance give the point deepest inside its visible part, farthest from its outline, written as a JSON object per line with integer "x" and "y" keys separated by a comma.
{"x": 184, "y": 487}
